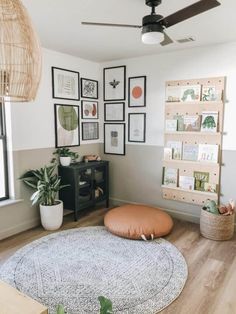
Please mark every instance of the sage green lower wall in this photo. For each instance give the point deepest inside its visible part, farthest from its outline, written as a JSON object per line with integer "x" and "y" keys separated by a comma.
{"x": 21, "y": 216}
{"x": 137, "y": 176}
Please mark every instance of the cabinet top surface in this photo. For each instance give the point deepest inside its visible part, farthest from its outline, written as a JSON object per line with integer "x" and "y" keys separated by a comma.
{"x": 85, "y": 164}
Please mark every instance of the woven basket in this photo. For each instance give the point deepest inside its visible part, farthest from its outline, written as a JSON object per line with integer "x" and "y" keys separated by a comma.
{"x": 216, "y": 227}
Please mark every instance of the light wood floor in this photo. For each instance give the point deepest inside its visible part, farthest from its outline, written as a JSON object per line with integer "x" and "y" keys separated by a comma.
{"x": 211, "y": 284}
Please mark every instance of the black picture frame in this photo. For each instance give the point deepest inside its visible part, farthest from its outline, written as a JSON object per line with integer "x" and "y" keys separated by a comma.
{"x": 144, "y": 127}
{"x": 57, "y": 136}
{"x": 83, "y": 102}
{"x": 74, "y": 76}
{"x": 83, "y": 95}
{"x": 115, "y": 104}
{"x": 116, "y": 125}
{"x": 83, "y": 131}
{"x": 144, "y": 86}
{"x": 121, "y": 76}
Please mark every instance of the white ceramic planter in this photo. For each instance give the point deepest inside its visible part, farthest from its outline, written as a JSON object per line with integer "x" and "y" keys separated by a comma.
{"x": 65, "y": 161}
{"x": 51, "y": 216}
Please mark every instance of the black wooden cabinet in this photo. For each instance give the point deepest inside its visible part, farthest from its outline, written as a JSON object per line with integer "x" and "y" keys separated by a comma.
{"x": 88, "y": 185}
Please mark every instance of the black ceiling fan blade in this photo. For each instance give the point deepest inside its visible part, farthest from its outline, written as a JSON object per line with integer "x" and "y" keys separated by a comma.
{"x": 110, "y": 24}
{"x": 188, "y": 12}
{"x": 167, "y": 40}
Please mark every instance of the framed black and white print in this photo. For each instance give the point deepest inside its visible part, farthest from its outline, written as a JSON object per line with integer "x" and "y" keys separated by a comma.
{"x": 67, "y": 132}
{"x": 65, "y": 84}
{"x": 90, "y": 131}
{"x": 137, "y": 91}
{"x": 114, "y": 83}
{"x": 137, "y": 127}
{"x": 89, "y": 88}
{"x": 89, "y": 109}
{"x": 114, "y": 111}
{"x": 114, "y": 138}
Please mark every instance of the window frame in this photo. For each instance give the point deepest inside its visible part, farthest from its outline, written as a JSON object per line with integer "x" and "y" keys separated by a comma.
{"x": 3, "y": 137}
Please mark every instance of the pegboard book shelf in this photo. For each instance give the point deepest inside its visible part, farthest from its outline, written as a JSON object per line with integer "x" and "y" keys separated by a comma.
{"x": 187, "y": 167}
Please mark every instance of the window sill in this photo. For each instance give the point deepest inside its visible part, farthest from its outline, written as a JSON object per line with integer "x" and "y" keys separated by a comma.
{"x": 9, "y": 202}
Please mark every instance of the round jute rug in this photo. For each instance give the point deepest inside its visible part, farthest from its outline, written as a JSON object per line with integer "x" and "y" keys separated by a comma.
{"x": 77, "y": 266}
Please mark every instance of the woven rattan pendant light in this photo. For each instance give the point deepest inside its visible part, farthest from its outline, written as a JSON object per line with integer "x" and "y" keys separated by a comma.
{"x": 20, "y": 53}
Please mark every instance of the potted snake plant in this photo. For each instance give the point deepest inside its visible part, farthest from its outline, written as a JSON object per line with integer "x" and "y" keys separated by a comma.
{"x": 46, "y": 185}
{"x": 65, "y": 156}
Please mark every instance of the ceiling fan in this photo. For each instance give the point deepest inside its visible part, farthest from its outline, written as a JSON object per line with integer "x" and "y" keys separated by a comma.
{"x": 154, "y": 25}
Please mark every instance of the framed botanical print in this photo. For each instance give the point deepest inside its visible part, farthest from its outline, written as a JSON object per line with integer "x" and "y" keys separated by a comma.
{"x": 65, "y": 84}
{"x": 90, "y": 131}
{"x": 114, "y": 83}
{"x": 137, "y": 91}
{"x": 114, "y": 111}
{"x": 67, "y": 131}
{"x": 137, "y": 127}
{"x": 114, "y": 138}
{"x": 89, "y": 88}
{"x": 89, "y": 109}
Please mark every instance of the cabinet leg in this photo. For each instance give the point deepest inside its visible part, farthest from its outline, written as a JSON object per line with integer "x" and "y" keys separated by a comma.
{"x": 76, "y": 216}
{"x": 107, "y": 203}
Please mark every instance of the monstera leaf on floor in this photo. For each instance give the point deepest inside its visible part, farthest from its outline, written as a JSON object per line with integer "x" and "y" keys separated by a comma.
{"x": 106, "y": 306}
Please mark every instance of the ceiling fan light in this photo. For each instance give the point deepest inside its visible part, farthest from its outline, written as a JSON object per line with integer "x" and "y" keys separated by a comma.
{"x": 152, "y": 38}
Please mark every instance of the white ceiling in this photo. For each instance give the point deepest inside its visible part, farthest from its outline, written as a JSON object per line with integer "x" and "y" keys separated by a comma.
{"x": 58, "y": 23}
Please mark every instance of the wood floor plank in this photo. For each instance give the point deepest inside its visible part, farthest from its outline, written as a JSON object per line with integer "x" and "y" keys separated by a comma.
{"x": 210, "y": 288}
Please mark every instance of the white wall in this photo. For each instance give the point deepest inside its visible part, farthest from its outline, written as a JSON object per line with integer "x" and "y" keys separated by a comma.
{"x": 211, "y": 61}
{"x": 33, "y": 123}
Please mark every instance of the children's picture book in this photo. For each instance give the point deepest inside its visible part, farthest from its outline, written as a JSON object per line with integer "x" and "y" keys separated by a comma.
{"x": 210, "y": 187}
{"x": 200, "y": 179}
{"x": 190, "y": 152}
{"x": 168, "y": 153}
{"x": 176, "y": 149}
{"x": 180, "y": 122}
{"x": 186, "y": 183}
{"x": 170, "y": 177}
{"x": 171, "y": 125}
{"x": 192, "y": 123}
{"x": 210, "y": 93}
{"x": 173, "y": 93}
{"x": 208, "y": 153}
{"x": 209, "y": 121}
{"x": 190, "y": 93}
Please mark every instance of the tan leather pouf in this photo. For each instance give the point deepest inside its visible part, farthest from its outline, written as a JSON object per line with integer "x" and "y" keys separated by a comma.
{"x": 138, "y": 222}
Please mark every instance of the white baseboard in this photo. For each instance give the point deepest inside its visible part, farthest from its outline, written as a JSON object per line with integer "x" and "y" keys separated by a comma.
{"x": 19, "y": 228}
{"x": 176, "y": 214}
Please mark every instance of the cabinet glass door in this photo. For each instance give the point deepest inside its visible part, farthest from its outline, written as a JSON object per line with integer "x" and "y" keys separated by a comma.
{"x": 85, "y": 185}
{"x": 100, "y": 183}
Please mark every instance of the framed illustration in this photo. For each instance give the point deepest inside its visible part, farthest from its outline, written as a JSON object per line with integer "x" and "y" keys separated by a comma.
{"x": 137, "y": 91}
{"x": 137, "y": 127}
{"x": 90, "y": 131}
{"x": 89, "y": 88}
{"x": 114, "y": 138}
{"x": 65, "y": 84}
{"x": 114, "y": 111}
{"x": 114, "y": 83}
{"x": 89, "y": 109}
{"x": 67, "y": 131}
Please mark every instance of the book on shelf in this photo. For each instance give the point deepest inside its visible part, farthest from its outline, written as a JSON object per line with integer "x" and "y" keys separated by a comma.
{"x": 190, "y": 152}
{"x": 173, "y": 93}
{"x": 186, "y": 183}
{"x": 176, "y": 147}
{"x": 200, "y": 179}
{"x": 170, "y": 177}
{"x": 192, "y": 123}
{"x": 171, "y": 125}
{"x": 168, "y": 153}
{"x": 209, "y": 121}
{"x": 210, "y": 93}
{"x": 210, "y": 187}
{"x": 190, "y": 93}
{"x": 180, "y": 122}
{"x": 208, "y": 153}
